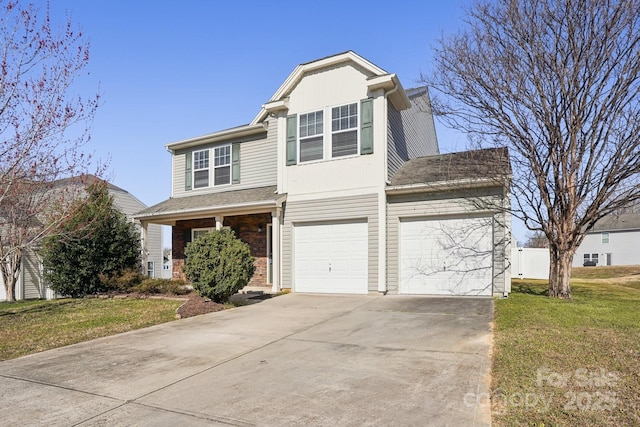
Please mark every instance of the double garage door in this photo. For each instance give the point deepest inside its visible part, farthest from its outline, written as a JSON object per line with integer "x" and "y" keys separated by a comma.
{"x": 450, "y": 256}
{"x": 441, "y": 256}
{"x": 331, "y": 258}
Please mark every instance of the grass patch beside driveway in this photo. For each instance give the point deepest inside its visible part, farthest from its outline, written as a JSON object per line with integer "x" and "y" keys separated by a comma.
{"x": 567, "y": 363}
{"x": 33, "y": 326}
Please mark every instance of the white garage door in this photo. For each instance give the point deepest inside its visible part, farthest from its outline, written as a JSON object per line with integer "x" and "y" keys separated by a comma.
{"x": 331, "y": 258}
{"x": 450, "y": 256}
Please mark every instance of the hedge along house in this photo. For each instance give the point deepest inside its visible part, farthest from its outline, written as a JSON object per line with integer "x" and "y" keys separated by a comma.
{"x": 330, "y": 183}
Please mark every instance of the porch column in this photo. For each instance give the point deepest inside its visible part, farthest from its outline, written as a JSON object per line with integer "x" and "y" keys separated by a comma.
{"x": 275, "y": 249}
{"x": 219, "y": 221}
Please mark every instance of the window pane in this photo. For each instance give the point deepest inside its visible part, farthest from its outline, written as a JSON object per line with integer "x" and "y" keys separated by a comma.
{"x": 311, "y": 149}
{"x": 201, "y": 159}
{"x": 201, "y": 178}
{"x": 344, "y": 144}
{"x": 222, "y": 155}
{"x": 222, "y": 175}
{"x": 344, "y": 117}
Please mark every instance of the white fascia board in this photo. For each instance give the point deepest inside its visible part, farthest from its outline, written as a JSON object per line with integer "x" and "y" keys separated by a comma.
{"x": 441, "y": 186}
{"x": 391, "y": 84}
{"x": 222, "y": 135}
{"x": 236, "y": 209}
{"x": 309, "y": 67}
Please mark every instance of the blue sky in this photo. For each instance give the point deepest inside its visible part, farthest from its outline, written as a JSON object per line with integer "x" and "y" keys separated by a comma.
{"x": 171, "y": 70}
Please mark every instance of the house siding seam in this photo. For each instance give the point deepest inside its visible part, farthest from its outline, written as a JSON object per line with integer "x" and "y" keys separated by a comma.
{"x": 331, "y": 210}
{"x": 438, "y": 205}
{"x": 258, "y": 164}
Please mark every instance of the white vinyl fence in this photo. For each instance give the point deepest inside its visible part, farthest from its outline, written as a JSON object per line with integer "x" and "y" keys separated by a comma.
{"x": 529, "y": 263}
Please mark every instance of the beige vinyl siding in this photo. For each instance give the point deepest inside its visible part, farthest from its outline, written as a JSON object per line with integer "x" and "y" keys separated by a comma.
{"x": 32, "y": 283}
{"x": 436, "y": 205}
{"x": 329, "y": 210}
{"x": 410, "y": 133}
{"x": 258, "y": 164}
{"x": 129, "y": 205}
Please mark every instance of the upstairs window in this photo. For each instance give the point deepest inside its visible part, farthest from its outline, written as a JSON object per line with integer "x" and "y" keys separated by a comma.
{"x": 605, "y": 237}
{"x": 344, "y": 130}
{"x": 311, "y": 136}
{"x": 201, "y": 169}
{"x": 222, "y": 165}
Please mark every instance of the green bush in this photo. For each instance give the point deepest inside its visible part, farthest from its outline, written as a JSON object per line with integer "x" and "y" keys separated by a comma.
{"x": 95, "y": 243}
{"x": 161, "y": 286}
{"x": 218, "y": 264}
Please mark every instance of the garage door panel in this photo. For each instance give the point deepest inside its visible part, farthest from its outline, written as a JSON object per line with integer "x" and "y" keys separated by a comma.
{"x": 452, "y": 256}
{"x": 331, "y": 258}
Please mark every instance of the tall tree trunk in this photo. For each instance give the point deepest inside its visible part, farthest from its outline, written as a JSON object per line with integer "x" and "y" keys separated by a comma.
{"x": 560, "y": 272}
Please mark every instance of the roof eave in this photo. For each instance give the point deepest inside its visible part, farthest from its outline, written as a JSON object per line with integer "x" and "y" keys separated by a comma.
{"x": 170, "y": 217}
{"x": 442, "y": 185}
{"x": 241, "y": 131}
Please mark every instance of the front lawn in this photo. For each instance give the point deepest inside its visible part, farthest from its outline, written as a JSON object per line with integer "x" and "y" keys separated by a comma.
{"x": 32, "y": 326}
{"x": 568, "y": 363}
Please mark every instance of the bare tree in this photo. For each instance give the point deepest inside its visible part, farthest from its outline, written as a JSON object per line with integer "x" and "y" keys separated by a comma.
{"x": 557, "y": 82}
{"x": 536, "y": 239}
{"x": 43, "y": 127}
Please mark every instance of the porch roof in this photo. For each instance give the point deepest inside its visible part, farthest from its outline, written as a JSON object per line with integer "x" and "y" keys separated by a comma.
{"x": 251, "y": 200}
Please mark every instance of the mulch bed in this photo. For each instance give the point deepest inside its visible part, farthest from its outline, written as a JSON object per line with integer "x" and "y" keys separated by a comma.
{"x": 196, "y": 305}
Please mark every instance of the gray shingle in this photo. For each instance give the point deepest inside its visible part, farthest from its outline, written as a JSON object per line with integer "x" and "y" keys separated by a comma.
{"x": 487, "y": 163}
{"x": 212, "y": 201}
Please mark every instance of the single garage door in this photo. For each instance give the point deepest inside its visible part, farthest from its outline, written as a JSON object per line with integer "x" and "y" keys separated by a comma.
{"x": 331, "y": 258}
{"x": 451, "y": 256}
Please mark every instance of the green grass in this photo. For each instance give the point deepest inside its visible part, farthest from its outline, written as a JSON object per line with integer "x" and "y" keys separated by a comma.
{"x": 568, "y": 363}
{"x": 33, "y": 326}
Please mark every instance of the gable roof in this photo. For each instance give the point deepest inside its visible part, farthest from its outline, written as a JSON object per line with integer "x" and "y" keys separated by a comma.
{"x": 625, "y": 221}
{"x": 378, "y": 79}
{"x": 475, "y": 165}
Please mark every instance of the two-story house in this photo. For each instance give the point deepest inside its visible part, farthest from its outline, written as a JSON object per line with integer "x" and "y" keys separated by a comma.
{"x": 337, "y": 185}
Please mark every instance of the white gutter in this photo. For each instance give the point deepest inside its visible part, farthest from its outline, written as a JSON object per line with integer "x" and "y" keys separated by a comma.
{"x": 237, "y": 132}
{"x": 210, "y": 209}
{"x": 442, "y": 185}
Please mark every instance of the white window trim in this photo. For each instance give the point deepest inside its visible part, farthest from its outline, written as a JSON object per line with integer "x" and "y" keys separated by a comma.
{"x": 301, "y": 138}
{"x": 212, "y": 166}
{"x": 222, "y": 166}
{"x": 327, "y": 134}
{"x": 194, "y": 170}
{"x": 357, "y": 129}
{"x": 151, "y": 269}
{"x": 605, "y": 238}
{"x": 204, "y": 230}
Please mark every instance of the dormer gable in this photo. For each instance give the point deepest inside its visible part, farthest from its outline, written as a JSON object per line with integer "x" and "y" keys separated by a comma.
{"x": 377, "y": 79}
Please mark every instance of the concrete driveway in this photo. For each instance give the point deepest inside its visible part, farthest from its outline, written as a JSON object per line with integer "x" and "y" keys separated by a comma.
{"x": 292, "y": 360}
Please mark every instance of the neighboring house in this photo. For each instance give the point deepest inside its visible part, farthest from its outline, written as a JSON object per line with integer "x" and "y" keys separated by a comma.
{"x": 31, "y": 284}
{"x": 614, "y": 240}
{"x": 337, "y": 186}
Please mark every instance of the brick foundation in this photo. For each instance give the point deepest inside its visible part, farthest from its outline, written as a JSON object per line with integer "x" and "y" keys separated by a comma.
{"x": 251, "y": 229}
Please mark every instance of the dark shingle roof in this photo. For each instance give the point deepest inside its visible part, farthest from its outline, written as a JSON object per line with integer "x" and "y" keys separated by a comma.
{"x": 487, "y": 163}
{"x": 626, "y": 221}
{"x": 211, "y": 201}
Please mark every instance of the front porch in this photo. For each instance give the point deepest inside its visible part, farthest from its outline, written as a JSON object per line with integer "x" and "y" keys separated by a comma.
{"x": 254, "y": 214}
{"x": 256, "y": 230}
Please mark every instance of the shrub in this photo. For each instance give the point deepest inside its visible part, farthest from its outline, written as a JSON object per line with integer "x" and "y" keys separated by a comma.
{"x": 161, "y": 286}
{"x": 218, "y": 264}
{"x": 95, "y": 243}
